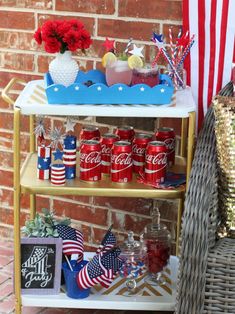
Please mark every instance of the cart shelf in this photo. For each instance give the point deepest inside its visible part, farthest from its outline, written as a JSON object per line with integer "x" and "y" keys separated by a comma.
{"x": 30, "y": 184}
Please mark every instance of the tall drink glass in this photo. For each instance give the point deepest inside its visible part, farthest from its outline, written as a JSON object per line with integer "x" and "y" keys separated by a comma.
{"x": 118, "y": 72}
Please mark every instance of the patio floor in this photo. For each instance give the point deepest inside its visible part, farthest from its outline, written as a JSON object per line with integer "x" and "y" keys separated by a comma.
{"x": 7, "y": 296}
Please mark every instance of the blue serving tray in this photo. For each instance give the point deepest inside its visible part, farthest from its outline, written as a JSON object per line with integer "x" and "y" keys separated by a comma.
{"x": 100, "y": 93}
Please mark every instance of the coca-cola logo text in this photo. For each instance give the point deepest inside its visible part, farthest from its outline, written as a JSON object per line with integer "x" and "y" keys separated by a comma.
{"x": 170, "y": 143}
{"x": 121, "y": 159}
{"x": 91, "y": 158}
{"x": 105, "y": 150}
{"x": 138, "y": 150}
{"x": 159, "y": 159}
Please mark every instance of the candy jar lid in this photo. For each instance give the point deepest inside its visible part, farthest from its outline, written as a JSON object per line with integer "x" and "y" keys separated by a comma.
{"x": 156, "y": 229}
{"x": 131, "y": 247}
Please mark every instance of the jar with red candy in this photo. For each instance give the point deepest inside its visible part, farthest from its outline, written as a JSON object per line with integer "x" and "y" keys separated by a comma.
{"x": 133, "y": 254}
{"x": 157, "y": 240}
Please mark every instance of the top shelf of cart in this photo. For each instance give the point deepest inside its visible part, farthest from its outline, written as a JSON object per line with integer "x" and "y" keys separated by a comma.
{"x": 33, "y": 100}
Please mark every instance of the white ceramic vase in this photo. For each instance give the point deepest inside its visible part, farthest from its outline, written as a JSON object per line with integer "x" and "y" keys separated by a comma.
{"x": 63, "y": 69}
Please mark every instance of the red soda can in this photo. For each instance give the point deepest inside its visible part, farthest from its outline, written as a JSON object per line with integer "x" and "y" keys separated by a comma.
{"x": 106, "y": 142}
{"x": 90, "y": 133}
{"x": 167, "y": 135}
{"x": 90, "y": 160}
{"x": 125, "y": 133}
{"x": 139, "y": 145}
{"x": 121, "y": 162}
{"x": 155, "y": 162}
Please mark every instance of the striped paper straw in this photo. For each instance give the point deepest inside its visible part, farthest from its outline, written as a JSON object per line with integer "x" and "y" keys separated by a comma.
{"x": 172, "y": 54}
{"x": 168, "y": 59}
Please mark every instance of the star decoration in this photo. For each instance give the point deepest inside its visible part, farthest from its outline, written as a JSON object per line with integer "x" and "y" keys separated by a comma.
{"x": 183, "y": 40}
{"x": 99, "y": 88}
{"x": 137, "y": 51}
{"x": 159, "y": 44}
{"x": 162, "y": 90}
{"x": 109, "y": 45}
{"x": 72, "y": 175}
{"x": 142, "y": 89}
{"x": 70, "y": 125}
{"x": 57, "y": 138}
{"x": 45, "y": 159}
{"x": 39, "y": 166}
{"x": 120, "y": 88}
{"x": 158, "y": 37}
{"x": 56, "y": 89}
{"x": 76, "y": 87}
{"x": 58, "y": 154}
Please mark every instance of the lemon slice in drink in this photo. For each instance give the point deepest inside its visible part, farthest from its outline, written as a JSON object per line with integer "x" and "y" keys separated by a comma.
{"x": 135, "y": 62}
{"x": 108, "y": 58}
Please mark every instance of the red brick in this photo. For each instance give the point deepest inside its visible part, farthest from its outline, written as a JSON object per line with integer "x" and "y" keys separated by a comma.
{"x": 17, "y": 40}
{"x": 86, "y": 230}
{"x": 18, "y": 62}
{"x": 136, "y": 223}
{"x": 5, "y": 140}
{"x": 6, "y": 178}
{"x": 88, "y": 6}
{"x": 80, "y": 198}
{"x": 6, "y": 159}
{"x": 32, "y": 4}
{"x": 88, "y": 21}
{"x": 8, "y": 121}
{"x": 7, "y": 215}
{"x": 123, "y": 29}
{"x": 161, "y": 9}
{"x": 137, "y": 205}
{"x": 5, "y": 105}
{"x": 81, "y": 212}
{"x": 6, "y": 231}
{"x": 17, "y": 20}
{"x": 5, "y": 78}
{"x": 175, "y": 31}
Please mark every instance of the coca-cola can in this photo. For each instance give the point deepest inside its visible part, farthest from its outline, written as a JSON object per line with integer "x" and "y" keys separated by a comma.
{"x": 139, "y": 145}
{"x": 121, "y": 162}
{"x": 106, "y": 142}
{"x": 125, "y": 133}
{"x": 155, "y": 162}
{"x": 90, "y": 160}
{"x": 167, "y": 135}
{"x": 90, "y": 133}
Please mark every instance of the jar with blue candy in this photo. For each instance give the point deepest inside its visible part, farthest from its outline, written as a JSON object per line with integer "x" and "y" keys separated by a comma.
{"x": 133, "y": 254}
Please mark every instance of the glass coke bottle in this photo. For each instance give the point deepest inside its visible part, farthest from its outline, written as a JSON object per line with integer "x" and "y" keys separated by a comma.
{"x": 157, "y": 240}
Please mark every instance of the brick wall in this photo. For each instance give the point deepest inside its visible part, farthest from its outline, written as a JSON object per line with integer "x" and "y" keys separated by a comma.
{"x": 20, "y": 57}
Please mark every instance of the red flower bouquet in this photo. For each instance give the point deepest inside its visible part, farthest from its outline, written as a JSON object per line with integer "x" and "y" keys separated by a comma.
{"x": 62, "y": 35}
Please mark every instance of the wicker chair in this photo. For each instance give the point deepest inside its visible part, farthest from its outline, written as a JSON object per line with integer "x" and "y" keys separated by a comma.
{"x": 206, "y": 280}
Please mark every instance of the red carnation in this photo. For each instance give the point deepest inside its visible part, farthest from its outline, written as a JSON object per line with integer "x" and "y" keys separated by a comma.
{"x": 62, "y": 35}
{"x": 38, "y": 36}
{"x": 52, "y": 45}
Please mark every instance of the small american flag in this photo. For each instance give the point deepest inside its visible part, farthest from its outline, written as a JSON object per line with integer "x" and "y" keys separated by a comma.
{"x": 72, "y": 241}
{"x": 37, "y": 254}
{"x": 101, "y": 269}
{"x": 108, "y": 242}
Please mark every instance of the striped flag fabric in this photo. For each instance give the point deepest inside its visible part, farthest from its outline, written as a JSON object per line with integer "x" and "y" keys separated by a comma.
{"x": 69, "y": 156}
{"x": 37, "y": 254}
{"x": 210, "y": 64}
{"x": 108, "y": 242}
{"x": 44, "y": 162}
{"x": 73, "y": 242}
{"x": 100, "y": 270}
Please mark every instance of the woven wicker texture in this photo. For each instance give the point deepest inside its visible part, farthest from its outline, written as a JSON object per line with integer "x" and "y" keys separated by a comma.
{"x": 220, "y": 278}
{"x": 201, "y": 220}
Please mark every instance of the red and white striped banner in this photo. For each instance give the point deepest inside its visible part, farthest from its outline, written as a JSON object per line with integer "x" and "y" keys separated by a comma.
{"x": 58, "y": 174}
{"x": 210, "y": 63}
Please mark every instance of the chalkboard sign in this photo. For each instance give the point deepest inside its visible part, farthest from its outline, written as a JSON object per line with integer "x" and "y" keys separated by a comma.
{"x": 41, "y": 265}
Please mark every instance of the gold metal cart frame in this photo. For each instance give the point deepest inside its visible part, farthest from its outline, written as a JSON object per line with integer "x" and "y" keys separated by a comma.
{"x": 22, "y": 184}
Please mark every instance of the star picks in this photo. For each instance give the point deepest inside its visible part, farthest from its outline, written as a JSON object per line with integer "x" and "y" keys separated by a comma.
{"x": 183, "y": 40}
{"x": 158, "y": 37}
{"x": 70, "y": 125}
{"x": 137, "y": 51}
{"x": 109, "y": 45}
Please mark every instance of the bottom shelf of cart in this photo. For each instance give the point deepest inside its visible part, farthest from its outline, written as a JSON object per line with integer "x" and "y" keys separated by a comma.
{"x": 148, "y": 297}
{"x": 95, "y": 302}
